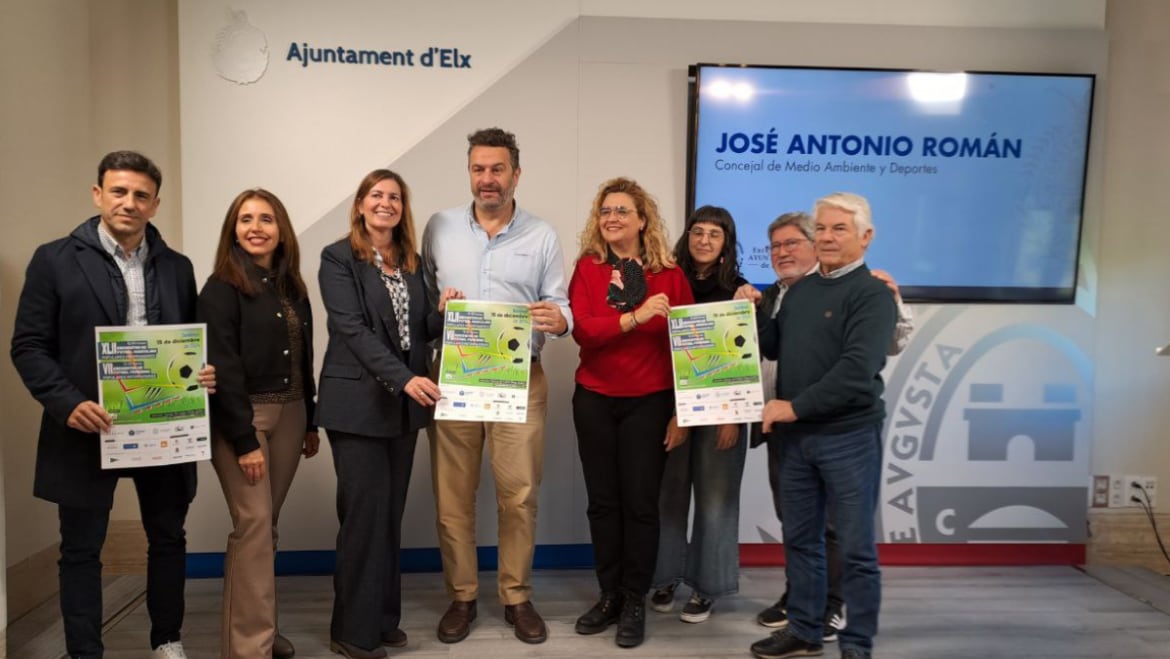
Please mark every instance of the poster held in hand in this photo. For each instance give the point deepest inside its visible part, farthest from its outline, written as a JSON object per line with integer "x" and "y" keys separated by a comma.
{"x": 148, "y": 381}
{"x": 485, "y": 359}
{"x": 715, "y": 353}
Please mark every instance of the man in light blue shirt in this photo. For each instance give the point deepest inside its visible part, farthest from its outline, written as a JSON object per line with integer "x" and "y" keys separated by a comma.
{"x": 493, "y": 250}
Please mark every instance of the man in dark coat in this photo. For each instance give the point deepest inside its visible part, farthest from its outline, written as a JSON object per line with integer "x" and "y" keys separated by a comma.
{"x": 113, "y": 269}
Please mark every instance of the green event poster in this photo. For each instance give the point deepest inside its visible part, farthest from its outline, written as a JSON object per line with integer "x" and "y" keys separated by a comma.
{"x": 715, "y": 354}
{"x": 148, "y": 380}
{"x": 485, "y": 358}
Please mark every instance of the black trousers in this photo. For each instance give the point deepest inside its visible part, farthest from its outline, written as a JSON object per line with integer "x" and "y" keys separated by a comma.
{"x": 162, "y": 501}
{"x": 620, "y": 441}
{"x": 373, "y": 475}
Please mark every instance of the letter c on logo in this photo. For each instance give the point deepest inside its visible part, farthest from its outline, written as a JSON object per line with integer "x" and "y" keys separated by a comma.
{"x": 941, "y": 522}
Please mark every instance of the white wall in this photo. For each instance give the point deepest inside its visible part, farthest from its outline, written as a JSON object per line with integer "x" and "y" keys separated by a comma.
{"x": 46, "y": 176}
{"x": 1062, "y": 14}
{"x": 591, "y": 97}
{"x": 78, "y": 83}
{"x": 1130, "y": 432}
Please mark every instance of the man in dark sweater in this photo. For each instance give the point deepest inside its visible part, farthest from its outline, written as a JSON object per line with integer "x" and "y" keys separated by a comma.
{"x": 831, "y": 335}
{"x": 793, "y": 255}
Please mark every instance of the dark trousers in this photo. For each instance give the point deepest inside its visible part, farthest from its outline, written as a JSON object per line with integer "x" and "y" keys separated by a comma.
{"x": 373, "y": 474}
{"x": 620, "y": 441}
{"x": 162, "y": 501}
{"x": 832, "y": 548}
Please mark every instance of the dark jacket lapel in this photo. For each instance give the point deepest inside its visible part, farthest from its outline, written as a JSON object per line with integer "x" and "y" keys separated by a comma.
{"x": 377, "y": 300}
{"x": 94, "y": 266}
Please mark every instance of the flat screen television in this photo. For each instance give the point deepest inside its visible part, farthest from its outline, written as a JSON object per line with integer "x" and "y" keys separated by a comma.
{"x": 976, "y": 180}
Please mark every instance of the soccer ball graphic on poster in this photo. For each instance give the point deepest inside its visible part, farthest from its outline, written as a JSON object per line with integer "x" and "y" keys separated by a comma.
{"x": 735, "y": 339}
{"x": 183, "y": 371}
{"x": 512, "y": 342}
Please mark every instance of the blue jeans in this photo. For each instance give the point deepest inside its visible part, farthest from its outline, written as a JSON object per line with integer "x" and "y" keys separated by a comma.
{"x": 843, "y": 471}
{"x": 775, "y": 446}
{"x": 709, "y": 563}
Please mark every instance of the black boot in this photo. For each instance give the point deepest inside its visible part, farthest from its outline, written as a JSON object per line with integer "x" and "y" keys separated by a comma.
{"x": 602, "y": 615}
{"x": 632, "y": 623}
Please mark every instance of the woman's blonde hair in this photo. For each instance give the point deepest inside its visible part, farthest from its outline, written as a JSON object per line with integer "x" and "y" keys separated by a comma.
{"x": 655, "y": 249}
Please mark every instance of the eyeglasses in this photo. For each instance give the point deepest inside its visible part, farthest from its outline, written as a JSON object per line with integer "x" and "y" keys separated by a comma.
{"x": 621, "y": 211}
{"x": 697, "y": 233}
{"x": 789, "y": 245}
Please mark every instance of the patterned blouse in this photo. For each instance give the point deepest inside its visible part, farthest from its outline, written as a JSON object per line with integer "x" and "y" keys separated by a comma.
{"x": 399, "y": 298}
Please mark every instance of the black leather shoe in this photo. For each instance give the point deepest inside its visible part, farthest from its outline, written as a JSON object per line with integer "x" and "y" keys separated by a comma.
{"x": 456, "y": 622}
{"x": 631, "y": 629}
{"x": 394, "y": 639}
{"x": 603, "y": 614}
{"x": 783, "y": 645}
{"x": 354, "y": 652}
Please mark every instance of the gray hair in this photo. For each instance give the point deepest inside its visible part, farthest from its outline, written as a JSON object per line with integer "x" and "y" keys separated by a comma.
{"x": 798, "y": 219}
{"x": 850, "y": 203}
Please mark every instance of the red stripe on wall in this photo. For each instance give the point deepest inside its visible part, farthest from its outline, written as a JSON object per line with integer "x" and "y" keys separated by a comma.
{"x": 769, "y": 555}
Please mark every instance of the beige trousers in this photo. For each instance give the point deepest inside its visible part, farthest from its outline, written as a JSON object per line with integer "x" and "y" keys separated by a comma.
{"x": 249, "y": 582}
{"x": 516, "y": 451}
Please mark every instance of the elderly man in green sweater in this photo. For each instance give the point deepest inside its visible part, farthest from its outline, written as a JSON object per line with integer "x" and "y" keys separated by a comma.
{"x": 831, "y": 335}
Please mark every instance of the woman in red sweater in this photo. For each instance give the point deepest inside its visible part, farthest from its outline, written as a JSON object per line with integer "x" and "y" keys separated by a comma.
{"x": 623, "y": 286}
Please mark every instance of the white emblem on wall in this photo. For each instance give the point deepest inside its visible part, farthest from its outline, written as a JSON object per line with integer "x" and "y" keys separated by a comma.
{"x": 240, "y": 50}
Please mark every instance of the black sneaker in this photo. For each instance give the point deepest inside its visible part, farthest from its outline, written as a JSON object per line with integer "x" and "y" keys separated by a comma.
{"x": 697, "y": 609}
{"x": 662, "y": 600}
{"x": 782, "y": 644}
{"x": 855, "y": 653}
{"x": 834, "y": 622}
{"x": 631, "y": 629}
{"x": 775, "y": 616}
{"x": 603, "y": 614}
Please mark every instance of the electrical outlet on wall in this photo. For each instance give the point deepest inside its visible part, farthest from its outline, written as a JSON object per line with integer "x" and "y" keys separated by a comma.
{"x": 1100, "y": 491}
{"x": 1118, "y": 491}
{"x": 1134, "y": 486}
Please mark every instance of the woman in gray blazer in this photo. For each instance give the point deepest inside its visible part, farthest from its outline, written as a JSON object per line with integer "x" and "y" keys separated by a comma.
{"x": 373, "y": 398}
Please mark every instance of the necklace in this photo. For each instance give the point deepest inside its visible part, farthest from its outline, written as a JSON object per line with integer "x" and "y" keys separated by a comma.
{"x": 384, "y": 262}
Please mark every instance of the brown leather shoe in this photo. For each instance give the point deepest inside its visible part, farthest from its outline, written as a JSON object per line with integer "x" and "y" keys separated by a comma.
{"x": 282, "y": 648}
{"x": 456, "y": 622}
{"x": 530, "y": 627}
{"x": 394, "y": 639}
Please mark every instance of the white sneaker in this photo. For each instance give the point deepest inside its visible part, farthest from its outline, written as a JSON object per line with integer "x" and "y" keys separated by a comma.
{"x": 172, "y": 650}
{"x": 834, "y": 622}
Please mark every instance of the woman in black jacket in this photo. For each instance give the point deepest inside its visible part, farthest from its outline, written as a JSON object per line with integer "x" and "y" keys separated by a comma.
{"x": 260, "y": 337}
{"x": 375, "y": 396}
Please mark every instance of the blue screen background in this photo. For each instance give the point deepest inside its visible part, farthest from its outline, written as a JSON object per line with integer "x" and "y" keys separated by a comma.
{"x": 961, "y": 221}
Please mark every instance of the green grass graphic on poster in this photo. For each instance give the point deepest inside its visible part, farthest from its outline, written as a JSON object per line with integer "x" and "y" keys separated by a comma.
{"x": 486, "y": 344}
{"x": 714, "y": 345}
{"x": 151, "y": 376}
